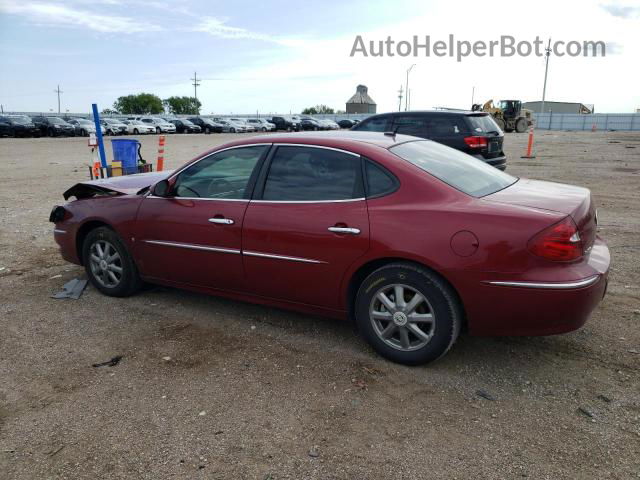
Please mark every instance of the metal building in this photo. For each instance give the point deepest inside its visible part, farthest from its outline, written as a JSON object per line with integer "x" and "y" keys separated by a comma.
{"x": 559, "y": 107}
{"x": 361, "y": 102}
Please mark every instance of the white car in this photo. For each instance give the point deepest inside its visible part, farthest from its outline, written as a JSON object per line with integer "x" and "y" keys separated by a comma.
{"x": 113, "y": 126}
{"x": 261, "y": 124}
{"x": 247, "y": 126}
{"x": 231, "y": 126}
{"x": 160, "y": 124}
{"x": 136, "y": 127}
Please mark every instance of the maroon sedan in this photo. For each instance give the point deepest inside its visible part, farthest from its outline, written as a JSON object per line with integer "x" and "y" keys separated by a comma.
{"x": 412, "y": 239}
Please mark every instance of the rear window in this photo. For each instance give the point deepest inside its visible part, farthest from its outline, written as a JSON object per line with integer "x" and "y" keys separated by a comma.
{"x": 463, "y": 172}
{"x": 483, "y": 124}
{"x": 376, "y": 124}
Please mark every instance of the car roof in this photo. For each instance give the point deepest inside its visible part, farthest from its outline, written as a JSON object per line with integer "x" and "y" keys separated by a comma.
{"x": 430, "y": 112}
{"x": 345, "y": 137}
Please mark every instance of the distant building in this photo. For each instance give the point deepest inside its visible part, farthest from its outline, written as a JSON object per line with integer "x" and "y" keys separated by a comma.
{"x": 558, "y": 107}
{"x": 361, "y": 102}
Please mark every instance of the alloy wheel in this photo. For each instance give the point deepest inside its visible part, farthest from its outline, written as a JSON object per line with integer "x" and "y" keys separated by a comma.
{"x": 402, "y": 317}
{"x": 105, "y": 263}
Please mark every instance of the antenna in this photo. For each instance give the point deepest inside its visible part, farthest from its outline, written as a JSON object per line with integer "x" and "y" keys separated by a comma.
{"x": 58, "y": 91}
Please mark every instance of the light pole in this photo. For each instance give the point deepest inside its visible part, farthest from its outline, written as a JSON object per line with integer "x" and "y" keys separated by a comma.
{"x": 406, "y": 98}
{"x": 547, "y": 52}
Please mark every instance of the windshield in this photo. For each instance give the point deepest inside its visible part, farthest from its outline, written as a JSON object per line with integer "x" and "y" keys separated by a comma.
{"x": 56, "y": 121}
{"x": 83, "y": 121}
{"x": 20, "y": 120}
{"x": 483, "y": 124}
{"x": 186, "y": 122}
{"x": 463, "y": 172}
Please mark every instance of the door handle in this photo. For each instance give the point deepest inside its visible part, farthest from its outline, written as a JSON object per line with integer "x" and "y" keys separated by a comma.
{"x": 221, "y": 221}
{"x": 350, "y": 231}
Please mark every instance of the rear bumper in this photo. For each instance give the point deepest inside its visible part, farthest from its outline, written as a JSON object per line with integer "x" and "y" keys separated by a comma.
{"x": 509, "y": 305}
{"x": 499, "y": 162}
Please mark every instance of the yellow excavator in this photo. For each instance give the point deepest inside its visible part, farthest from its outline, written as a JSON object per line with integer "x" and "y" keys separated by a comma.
{"x": 508, "y": 114}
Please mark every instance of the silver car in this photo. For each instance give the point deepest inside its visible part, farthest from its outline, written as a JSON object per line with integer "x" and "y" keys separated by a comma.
{"x": 113, "y": 126}
{"x": 85, "y": 127}
{"x": 162, "y": 126}
{"x": 247, "y": 127}
{"x": 261, "y": 125}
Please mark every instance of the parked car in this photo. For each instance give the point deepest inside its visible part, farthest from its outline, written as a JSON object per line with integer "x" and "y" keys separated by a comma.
{"x": 261, "y": 125}
{"x": 84, "y": 127}
{"x": 347, "y": 123}
{"x": 113, "y": 126}
{"x": 18, "y": 126}
{"x": 160, "y": 124}
{"x": 136, "y": 127}
{"x": 308, "y": 123}
{"x": 185, "y": 126}
{"x": 248, "y": 128}
{"x": 230, "y": 126}
{"x": 411, "y": 238}
{"x": 53, "y": 126}
{"x": 206, "y": 124}
{"x": 328, "y": 124}
{"x": 284, "y": 123}
{"x": 475, "y": 133}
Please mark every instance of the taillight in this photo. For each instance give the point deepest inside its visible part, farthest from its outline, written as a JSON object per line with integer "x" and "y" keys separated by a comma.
{"x": 476, "y": 142}
{"x": 560, "y": 242}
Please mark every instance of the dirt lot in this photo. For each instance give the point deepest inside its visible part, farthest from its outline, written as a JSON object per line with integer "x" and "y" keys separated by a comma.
{"x": 258, "y": 393}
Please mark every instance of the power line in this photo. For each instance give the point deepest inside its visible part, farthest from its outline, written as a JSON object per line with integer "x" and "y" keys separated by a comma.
{"x": 58, "y": 91}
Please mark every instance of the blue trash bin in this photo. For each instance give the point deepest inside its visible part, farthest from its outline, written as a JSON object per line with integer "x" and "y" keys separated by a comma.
{"x": 126, "y": 151}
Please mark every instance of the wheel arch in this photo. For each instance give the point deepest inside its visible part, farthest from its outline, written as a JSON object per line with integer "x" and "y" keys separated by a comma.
{"x": 84, "y": 230}
{"x": 364, "y": 270}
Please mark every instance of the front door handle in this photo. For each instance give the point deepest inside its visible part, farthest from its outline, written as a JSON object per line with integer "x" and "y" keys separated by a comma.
{"x": 221, "y": 221}
{"x": 348, "y": 230}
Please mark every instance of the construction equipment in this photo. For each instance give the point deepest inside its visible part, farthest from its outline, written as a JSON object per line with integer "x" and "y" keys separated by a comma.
{"x": 508, "y": 114}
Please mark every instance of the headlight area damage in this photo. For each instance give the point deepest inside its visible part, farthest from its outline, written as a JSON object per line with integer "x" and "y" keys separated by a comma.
{"x": 126, "y": 185}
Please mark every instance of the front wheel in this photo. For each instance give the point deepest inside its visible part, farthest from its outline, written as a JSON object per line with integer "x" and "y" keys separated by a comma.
{"x": 521, "y": 125}
{"x": 408, "y": 314}
{"x": 108, "y": 264}
{"x": 233, "y": 130}
{"x": 158, "y": 130}
{"x": 135, "y": 131}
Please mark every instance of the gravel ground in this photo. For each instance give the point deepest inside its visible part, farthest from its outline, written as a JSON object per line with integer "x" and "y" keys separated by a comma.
{"x": 216, "y": 389}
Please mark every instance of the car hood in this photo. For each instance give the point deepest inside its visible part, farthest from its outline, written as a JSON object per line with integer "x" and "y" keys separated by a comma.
{"x": 125, "y": 185}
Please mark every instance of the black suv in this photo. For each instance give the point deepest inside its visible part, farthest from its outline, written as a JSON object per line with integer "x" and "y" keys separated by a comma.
{"x": 283, "y": 123}
{"x": 474, "y": 133}
{"x": 54, "y": 126}
{"x": 206, "y": 124}
{"x": 18, "y": 126}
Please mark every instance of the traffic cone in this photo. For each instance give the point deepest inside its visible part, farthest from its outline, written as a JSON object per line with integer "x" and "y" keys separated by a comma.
{"x": 529, "y": 153}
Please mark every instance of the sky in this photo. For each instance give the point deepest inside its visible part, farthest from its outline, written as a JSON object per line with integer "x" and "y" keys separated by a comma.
{"x": 273, "y": 56}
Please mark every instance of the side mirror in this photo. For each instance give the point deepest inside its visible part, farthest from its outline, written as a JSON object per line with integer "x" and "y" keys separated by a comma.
{"x": 162, "y": 189}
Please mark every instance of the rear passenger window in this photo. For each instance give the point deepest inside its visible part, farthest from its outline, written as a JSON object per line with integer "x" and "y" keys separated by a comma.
{"x": 410, "y": 125}
{"x": 380, "y": 124}
{"x": 379, "y": 181}
{"x": 446, "y": 125}
{"x": 312, "y": 174}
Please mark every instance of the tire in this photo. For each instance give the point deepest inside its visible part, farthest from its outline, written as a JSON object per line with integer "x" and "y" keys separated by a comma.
{"x": 128, "y": 281}
{"x": 500, "y": 123}
{"x": 521, "y": 125}
{"x": 232, "y": 130}
{"x": 207, "y": 130}
{"x": 437, "y": 299}
{"x": 135, "y": 131}
{"x": 158, "y": 130}
{"x": 50, "y": 132}
{"x": 264, "y": 129}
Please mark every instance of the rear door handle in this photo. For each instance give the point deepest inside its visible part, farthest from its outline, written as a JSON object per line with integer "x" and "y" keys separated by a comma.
{"x": 348, "y": 230}
{"x": 221, "y": 221}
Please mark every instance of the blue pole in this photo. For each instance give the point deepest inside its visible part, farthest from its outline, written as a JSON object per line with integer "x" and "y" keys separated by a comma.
{"x": 96, "y": 119}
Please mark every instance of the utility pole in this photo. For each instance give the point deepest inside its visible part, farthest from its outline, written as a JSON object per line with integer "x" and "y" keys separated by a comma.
{"x": 58, "y": 91}
{"x": 400, "y": 98}
{"x": 546, "y": 70}
{"x": 195, "y": 84}
{"x": 406, "y": 89}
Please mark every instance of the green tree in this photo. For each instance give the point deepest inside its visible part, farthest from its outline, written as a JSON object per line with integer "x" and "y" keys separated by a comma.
{"x": 140, "y": 104}
{"x": 318, "y": 109}
{"x": 182, "y": 105}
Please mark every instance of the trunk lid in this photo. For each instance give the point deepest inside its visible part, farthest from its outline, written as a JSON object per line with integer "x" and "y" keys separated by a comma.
{"x": 555, "y": 197}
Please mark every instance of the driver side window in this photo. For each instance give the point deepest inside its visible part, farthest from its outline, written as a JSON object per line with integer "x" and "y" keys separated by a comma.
{"x": 223, "y": 175}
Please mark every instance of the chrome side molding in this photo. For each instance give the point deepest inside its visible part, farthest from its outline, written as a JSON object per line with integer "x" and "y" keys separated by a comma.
{"x": 585, "y": 282}
{"x": 192, "y": 246}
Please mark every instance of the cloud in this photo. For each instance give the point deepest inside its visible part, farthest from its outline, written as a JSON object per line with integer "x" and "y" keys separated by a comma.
{"x": 59, "y": 15}
{"x": 218, "y": 28}
{"x": 622, "y": 11}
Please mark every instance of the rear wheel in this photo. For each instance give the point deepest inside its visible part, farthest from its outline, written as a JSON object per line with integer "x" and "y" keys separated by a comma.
{"x": 135, "y": 131}
{"x": 232, "y": 130}
{"x": 408, "y": 314}
{"x": 50, "y": 132}
{"x": 207, "y": 130}
{"x": 108, "y": 264}
{"x": 521, "y": 125}
{"x": 158, "y": 130}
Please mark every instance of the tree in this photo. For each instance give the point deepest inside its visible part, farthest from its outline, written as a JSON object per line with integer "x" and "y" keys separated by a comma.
{"x": 140, "y": 104}
{"x": 318, "y": 109}
{"x": 182, "y": 105}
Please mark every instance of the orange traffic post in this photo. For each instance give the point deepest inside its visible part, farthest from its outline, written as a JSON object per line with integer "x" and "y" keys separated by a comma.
{"x": 529, "y": 153}
{"x": 160, "y": 166}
